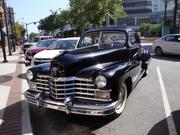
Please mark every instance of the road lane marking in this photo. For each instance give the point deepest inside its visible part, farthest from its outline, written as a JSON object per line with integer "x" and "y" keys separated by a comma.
{"x": 169, "y": 118}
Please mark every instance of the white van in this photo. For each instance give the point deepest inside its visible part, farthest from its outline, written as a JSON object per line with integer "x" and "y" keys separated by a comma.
{"x": 39, "y": 38}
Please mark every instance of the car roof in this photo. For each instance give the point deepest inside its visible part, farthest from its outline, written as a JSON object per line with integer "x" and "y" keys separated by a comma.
{"x": 123, "y": 29}
{"x": 172, "y": 35}
{"x": 69, "y": 38}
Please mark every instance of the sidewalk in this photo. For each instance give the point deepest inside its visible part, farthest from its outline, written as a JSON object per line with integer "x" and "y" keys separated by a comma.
{"x": 14, "y": 111}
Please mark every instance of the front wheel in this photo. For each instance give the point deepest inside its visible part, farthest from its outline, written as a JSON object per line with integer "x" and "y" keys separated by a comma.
{"x": 121, "y": 99}
{"x": 158, "y": 51}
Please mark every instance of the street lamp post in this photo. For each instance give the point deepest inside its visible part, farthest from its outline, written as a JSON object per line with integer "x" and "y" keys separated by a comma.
{"x": 9, "y": 48}
{"x": 27, "y": 34}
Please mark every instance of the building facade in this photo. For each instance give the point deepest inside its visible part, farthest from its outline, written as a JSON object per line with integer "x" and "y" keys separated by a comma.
{"x": 137, "y": 6}
{"x": 144, "y": 11}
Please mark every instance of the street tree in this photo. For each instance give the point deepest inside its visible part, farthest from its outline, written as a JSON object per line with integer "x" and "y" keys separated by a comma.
{"x": 32, "y": 35}
{"x": 92, "y": 13}
{"x": 20, "y": 30}
{"x": 49, "y": 23}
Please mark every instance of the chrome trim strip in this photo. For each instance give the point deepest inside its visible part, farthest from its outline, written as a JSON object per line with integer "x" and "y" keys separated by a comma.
{"x": 75, "y": 88}
{"x": 84, "y": 109}
{"x": 44, "y": 88}
{"x": 72, "y": 84}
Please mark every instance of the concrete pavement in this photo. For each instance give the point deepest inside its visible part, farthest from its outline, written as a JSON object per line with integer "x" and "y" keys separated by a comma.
{"x": 14, "y": 112}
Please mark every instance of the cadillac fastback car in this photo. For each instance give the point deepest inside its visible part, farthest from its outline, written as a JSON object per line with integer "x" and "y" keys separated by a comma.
{"x": 94, "y": 79}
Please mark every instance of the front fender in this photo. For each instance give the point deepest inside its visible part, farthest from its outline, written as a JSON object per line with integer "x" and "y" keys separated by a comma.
{"x": 43, "y": 69}
{"x": 115, "y": 75}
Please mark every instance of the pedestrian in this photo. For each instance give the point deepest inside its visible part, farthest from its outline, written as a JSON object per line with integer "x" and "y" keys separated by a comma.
{"x": 17, "y": 44}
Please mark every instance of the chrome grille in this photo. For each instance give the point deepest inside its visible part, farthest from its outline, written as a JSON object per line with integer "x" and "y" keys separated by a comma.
{"x": 60, "y": 88}
{"x": 41, "y": 61}
{"x": 42, "y": 83}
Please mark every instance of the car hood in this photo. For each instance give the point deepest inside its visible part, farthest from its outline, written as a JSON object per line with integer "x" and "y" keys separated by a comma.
{"x": 89, "y": 59}
{"x": 48, "y": 54}
{"x": 36, "y": 49}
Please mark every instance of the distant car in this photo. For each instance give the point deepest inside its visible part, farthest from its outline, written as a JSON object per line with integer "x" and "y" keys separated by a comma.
{"x": 27, "y": 45}
{"x": 169, "y": 44}
{"x": 40, "y": 38}
{"x": 55, "y": 49}
{"x": 42, "y": 45}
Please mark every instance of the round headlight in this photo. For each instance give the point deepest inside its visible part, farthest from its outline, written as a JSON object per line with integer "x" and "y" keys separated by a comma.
{"x": 100, "y": 81}
{"x": 29, "y": 75}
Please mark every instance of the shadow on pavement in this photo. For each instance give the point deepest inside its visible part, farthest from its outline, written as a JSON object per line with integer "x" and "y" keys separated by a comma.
{"x": 161, "y": 127}
{"x": 22, "y": 76}
{"x": 52, "y": 122}
{"x": 20, "y": 62}
{"x": 173, "y": 58}
{"x": 11, "y": 120}
{"x": 6, "y": 78}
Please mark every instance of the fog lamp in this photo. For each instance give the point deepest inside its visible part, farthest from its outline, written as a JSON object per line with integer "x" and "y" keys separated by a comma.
{"x": 103, "y": 94}
{"x": 29, "y": 75}
{"x": 100, "y": 81}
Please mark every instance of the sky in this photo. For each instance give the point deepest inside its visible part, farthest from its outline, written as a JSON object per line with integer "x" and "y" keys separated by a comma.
{"x": 33, "y": 10}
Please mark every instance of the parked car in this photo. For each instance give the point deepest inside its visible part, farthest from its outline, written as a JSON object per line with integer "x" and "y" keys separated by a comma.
{"x": 55, "y": 49}
{"x": 94, "y": 79}
{"x": 169, "y": 44}
{"x": 27, "y": 45}
{"x": 42, "y": 45}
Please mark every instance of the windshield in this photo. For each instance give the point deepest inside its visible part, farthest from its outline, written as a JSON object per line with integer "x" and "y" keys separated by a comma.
{"x": 63, "y": 44}
{"x": 45, "y": 43}
{"x": 89, "y": 39}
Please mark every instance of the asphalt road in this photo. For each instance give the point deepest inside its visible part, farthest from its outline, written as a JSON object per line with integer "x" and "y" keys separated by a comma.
{"x": 153, "y": 108}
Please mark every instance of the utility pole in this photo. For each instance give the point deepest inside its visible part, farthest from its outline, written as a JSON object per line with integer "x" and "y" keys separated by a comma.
{"x": 9, "y": 48}
{"x": 174, "y": 16}
{"x": 165, "y": 10}
{"x": 2, "y": 39}
{"x": 12, "y": 31}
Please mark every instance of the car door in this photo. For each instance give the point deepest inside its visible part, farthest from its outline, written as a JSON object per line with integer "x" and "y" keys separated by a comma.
{"x": 177, "y": 45}
{"x": 135, "y": 52}
{"x": 168, "y": 44}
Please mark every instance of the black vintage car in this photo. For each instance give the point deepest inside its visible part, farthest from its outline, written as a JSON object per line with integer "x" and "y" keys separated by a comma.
{"x": 94, "y": 79}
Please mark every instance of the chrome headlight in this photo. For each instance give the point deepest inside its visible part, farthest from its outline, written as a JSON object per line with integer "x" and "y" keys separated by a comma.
{"x": 29, "y": 75}
{"x": 100, "y": 81}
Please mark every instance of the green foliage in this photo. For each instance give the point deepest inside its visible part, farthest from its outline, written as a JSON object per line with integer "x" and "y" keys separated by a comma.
{"x": 48, "y": 23}
{"x": 20, "y": 30}
{"x": 32, "y": 35}
{"x": 92, "y": 13}
{"x": 148, "y": 29}
{"x": 83, "y": 13}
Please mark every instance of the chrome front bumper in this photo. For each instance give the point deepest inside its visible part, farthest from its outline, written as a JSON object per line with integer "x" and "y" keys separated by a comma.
{"x": 41, "y": 100}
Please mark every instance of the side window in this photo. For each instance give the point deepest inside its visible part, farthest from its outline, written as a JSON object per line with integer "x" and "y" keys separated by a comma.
{"x": 113, "y": 39}
{"x": 170, "y": 39}
{"x": 132, "y": 39}
{"x": 89, "y": 39}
